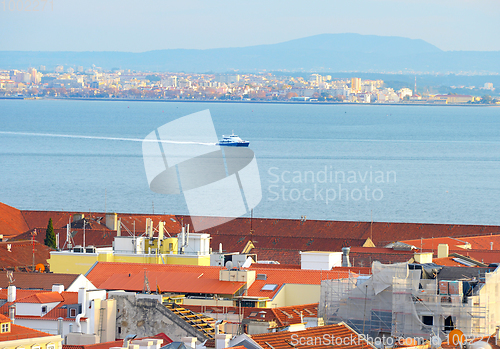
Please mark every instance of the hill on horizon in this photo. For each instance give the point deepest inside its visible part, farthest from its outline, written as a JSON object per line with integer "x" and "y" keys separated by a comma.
{"x": 324, "y": 52}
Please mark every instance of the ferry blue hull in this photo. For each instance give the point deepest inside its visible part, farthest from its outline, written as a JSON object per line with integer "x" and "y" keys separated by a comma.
{"x": 235, "y": 144}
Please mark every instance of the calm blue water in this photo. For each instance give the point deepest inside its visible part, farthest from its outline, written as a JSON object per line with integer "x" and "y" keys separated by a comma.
{"x": 397, "y": 163}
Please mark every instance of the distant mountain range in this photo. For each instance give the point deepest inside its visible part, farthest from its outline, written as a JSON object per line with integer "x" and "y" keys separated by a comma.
{"x": 320, "y": 53}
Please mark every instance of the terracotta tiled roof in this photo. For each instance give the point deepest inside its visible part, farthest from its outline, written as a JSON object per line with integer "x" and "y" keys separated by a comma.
{"x": 291, "y": 315}
{"x": 96, "y": 232}
{"x": 19, "y": 293}
{"x": 382, "y": 233}
{"x": 236, "y": 242}
{"x": 38, "y": 281}
{"x": 20, "y": 256}
{"x": 483, "y": 256}
{"x": 482, "y": 242}
{"x": 46, "y": 297}
{"x": 35, "y": 296}
{"x": 170, "y": 278}
{"x": 280, "y": 277}
{"x": 447, "y": 262}
{"x": 365, "y": 256}
{"x": 12, "y": 222}
{"x": 21, "y": 332}
{"x": 279, "y": 340}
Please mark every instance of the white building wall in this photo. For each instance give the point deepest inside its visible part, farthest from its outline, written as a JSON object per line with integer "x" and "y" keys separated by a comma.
{"x": 34, "y": 309}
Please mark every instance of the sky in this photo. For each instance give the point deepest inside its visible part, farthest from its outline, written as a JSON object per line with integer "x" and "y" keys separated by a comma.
{"x": 138, "y": 26}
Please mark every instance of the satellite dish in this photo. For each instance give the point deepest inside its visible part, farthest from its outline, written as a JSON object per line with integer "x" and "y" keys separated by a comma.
{"x": 229, "y": 265}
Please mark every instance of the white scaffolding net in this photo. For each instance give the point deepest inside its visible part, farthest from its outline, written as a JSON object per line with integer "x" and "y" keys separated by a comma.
{"x": 395, "y": 301}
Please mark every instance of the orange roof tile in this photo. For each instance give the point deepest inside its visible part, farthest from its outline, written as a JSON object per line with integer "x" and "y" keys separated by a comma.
{"x": 21, "y": 332}
{"x": 447, "y": 262}
{"x": 40, "y": 281}
{"x": 312, "y": 337}
{"x": 382, "y": 232}
{"x": 34, "y": 295}
{"x": 280, "y": 277}
{"x": 46, "y": 297}
{"x": 291, "y": 315}
{"x": 12, "y": 222}
{"x": 169, "y": 277}
{"x": 20, "y": 255}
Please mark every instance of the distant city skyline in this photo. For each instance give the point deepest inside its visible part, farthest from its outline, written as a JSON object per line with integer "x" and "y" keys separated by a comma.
{"x": 133, "y": 26}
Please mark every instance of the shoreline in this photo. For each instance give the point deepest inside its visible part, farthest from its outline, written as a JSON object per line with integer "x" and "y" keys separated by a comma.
{"x": 251, "y": 102}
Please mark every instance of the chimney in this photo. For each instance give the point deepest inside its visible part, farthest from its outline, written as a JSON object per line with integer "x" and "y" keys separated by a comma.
{"x": 112, "y": 221}
{"x": 491, "y": 245}
{"x": 161, "y": 225}
{"x": 443, "y": 250}
{"x": 58, "y": 288}
{"x": 190, "y": 342}
{"x": 12, "y": 312}
{"x": 60, "y": 326}
{"x": 345, "y": 257}
{"x": 222, "y": 341}
{"x": 11, "y": 293}
{"x": 119, "y": 228}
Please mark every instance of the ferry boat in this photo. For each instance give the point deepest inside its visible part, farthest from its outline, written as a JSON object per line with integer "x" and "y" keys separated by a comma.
{"x": 233, "y": 141}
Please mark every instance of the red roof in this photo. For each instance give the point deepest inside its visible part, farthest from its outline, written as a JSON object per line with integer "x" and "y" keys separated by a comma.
{"x": 20, "y": 256}
{"x": 302, "y": 339}
{"x": 40, "y": 281}
{"x": 382, "y": 233}
{"x": 481, "y": 242}
{"x": 365, "y": 256}
{"x": 35, "y": 296}
{"x": 200, "y": 279}
{"x": 21, "y": 332}
{"x": 169, "y": 277}
{"x": 12, "y": 222}
{"x": 46, "y": 297}
{"x": 291, "y": 315}
{"x": 280, "y": 277}
{"x": 96, "y": 232}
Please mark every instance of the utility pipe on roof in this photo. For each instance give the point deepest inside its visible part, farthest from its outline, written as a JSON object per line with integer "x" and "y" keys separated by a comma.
{"x": 82, "y": 299}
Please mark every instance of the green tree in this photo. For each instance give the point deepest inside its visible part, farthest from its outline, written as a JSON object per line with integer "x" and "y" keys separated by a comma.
{"x": 486, "y": 99}
{"x": 50, "y": 237}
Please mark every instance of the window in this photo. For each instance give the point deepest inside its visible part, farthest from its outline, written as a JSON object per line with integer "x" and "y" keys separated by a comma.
{"x": 72, "y": 312}
{"x": 51, "y": 346}
{"x": 35, "y": 346}
{"x": 5, "y": 327}
{"x": 428, "y": 320}
{"x": 44, "y": 309}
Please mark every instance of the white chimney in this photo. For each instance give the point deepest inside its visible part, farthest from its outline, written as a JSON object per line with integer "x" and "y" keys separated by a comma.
{"x": 190, "y": 342}
{"x": 58, "y": 288}
{"x": 11, "y": 293}
{"x": 443, "y": 250}
{"x": 222, "y": 340}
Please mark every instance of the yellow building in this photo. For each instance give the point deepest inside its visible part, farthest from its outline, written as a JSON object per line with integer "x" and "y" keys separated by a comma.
{"x": 13, "y": 336}
{"x": 186, "y": 249}
{"x": 355, "y": 85}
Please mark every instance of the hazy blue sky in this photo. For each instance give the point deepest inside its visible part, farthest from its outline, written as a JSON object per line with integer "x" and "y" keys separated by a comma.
{"x": 142, "y": 25}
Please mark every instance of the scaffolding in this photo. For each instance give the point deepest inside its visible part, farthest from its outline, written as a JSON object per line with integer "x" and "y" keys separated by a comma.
{"x": 395, "y": 301}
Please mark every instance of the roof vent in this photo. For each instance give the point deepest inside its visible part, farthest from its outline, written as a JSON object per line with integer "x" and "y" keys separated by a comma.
{"x": 261, "y": 277}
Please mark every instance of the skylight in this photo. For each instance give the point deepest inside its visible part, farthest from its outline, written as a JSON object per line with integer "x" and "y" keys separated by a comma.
{"x": 269, "y": 287}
